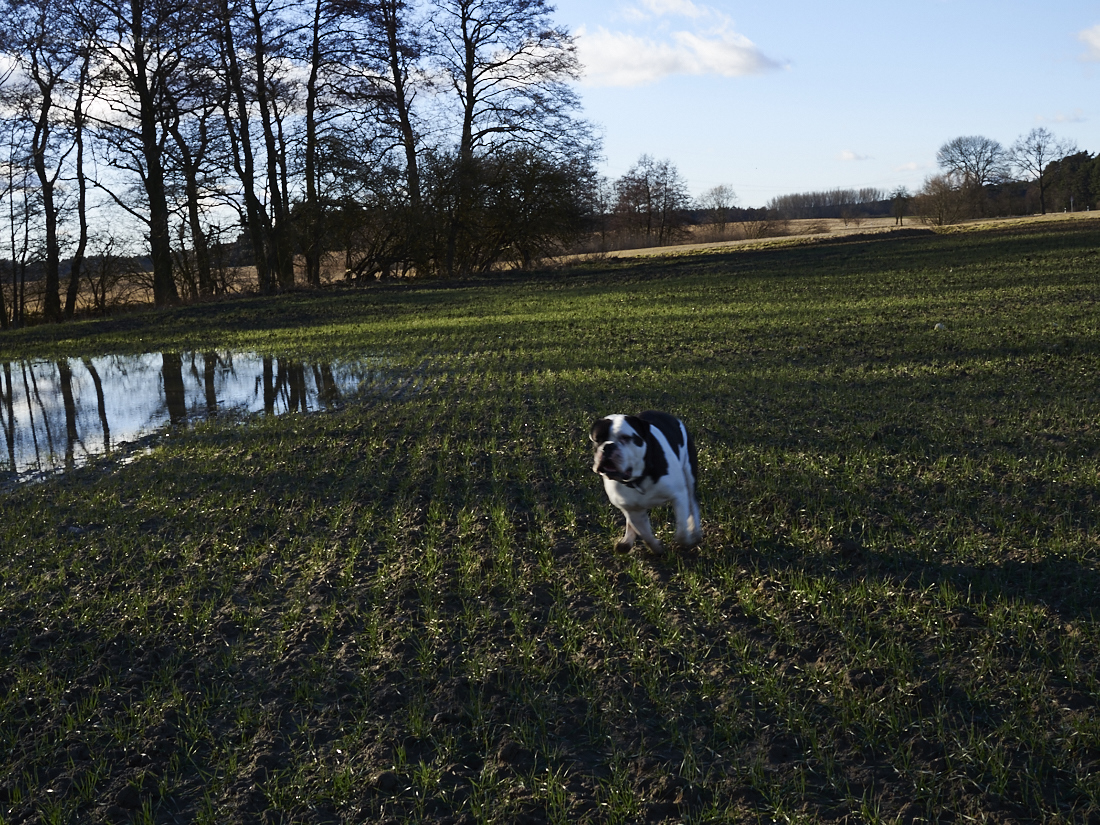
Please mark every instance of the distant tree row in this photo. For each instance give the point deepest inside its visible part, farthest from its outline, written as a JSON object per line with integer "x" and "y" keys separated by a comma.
{"x": 834, "y": 203}
{"x": 979, "y": 177}
{"x": 650, "y": 204}
{"x": 1073, "y": 183}
{"x": 427, "y": 136}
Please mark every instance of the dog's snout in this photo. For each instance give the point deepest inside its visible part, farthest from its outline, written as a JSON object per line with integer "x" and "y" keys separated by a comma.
{"x": 607, "y": 459}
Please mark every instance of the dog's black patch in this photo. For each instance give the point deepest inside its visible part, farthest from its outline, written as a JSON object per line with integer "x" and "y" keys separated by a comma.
{"x": 669, "y": 425}
{"x": 601, "y": 430}
{"x": 656, "y": 465}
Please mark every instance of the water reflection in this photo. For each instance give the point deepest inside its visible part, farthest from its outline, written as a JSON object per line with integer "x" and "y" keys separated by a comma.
{"x": 56, "y": 415}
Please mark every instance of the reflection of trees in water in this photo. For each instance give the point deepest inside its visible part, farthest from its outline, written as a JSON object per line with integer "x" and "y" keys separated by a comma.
{"x": 39, "y": 400}
{"x": 65, "y": 374}
{"x": 30, "y": 411}
{"x": 287, "y": 379}
{"x": 175, "y": 395}
{"x": 7, "y": 414}
{"x": 101, "y": 403}
{"x": 328, "y": 392}
{"x": 209, "y": 367}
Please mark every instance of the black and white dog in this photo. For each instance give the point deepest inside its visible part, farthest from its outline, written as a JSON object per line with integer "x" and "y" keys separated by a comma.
{"x": 648, "y": 460}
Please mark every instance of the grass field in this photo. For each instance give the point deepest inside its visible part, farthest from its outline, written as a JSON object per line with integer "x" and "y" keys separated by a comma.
{"x": 409, "y": 609}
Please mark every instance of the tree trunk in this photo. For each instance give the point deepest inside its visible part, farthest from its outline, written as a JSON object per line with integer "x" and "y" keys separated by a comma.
{"x": 39, "y": 145}
{"x": 243, "y": 160}
{"x": 312, "y": 211}
{"x": 160, "y": 241}
{"x": 190, "y": 168}
{"x": 3, "y": 307}
{"x": 280, "y": 248}
{"x": 402, "y": 101}
{"x": 77, "y": 263}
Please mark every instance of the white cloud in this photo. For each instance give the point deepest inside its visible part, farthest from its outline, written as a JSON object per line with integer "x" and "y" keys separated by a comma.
{"x": 647, "y": 10}
{"x": 1076, "y": 116}
{"x": 617, "y": 58}
{"x": 683, "y": 8}
{"x": 704, "y": 43}
{"x": 850, "y": 155}
{"x": 1091, "y": 39}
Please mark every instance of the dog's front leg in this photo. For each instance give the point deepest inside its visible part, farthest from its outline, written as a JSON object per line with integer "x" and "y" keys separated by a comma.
{"x": 638, "y": 521}
{"x": 628, "y": 539}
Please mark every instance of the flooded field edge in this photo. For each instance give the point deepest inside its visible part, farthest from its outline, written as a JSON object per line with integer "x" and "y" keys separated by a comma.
{"x": 57, "y": 415}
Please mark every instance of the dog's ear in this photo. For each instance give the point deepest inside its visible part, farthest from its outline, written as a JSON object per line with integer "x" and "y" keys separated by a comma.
{"x": 601, "y": 429}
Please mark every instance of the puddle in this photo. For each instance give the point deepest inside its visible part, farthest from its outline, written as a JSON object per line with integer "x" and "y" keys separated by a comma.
{"x": 57, "y": 415}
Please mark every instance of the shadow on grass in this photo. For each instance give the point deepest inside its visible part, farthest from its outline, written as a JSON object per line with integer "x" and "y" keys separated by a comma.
{"x": 1064, "y": 587}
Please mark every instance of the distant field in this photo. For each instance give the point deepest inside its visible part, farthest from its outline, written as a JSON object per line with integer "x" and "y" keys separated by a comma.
{"x": 782, "y": 233}
{"x": 135, "y": 290}
{"x": 409, "y": 609}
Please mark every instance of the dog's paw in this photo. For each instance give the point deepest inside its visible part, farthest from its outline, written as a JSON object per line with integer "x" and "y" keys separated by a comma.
{"x": 689, "y": 541}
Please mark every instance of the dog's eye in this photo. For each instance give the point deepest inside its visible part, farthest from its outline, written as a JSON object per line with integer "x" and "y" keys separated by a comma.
{"x": 637, "y": 440}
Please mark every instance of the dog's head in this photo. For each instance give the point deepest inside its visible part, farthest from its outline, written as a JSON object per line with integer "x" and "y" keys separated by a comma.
{"x": 621, "y": 443}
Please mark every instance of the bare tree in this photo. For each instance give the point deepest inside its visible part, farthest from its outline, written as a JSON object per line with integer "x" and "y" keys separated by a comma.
{"x": 195, "y": 157}
{"x": 79, "y": 125}
{"x": 235, "y": 107}
{"x": 51, "y": 69}
{"x": 141, "y": 47}
{"x": 650, "y": 200}
{"x": 375, "y": 66}
{"x": 22, "y": 211}
{"x": 509, "y": 70}
{"x": 1034, "y": 152}
{"x": 942, "y": 199}
{"x": 977, "y": 162}
{"x": 105, "y": 269}
{"x": 899, "y": 202}
{"x": 325, "y": 25}
{"x": 980, "y": 161}
{"x": 717, "y": 202}
{"x": 46, "y": 64}
{"x": 257, "y": 66}
{"x": 266, "y": 34}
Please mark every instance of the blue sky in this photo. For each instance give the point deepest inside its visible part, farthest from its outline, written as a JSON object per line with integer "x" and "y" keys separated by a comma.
{"x": 793, "y": 95}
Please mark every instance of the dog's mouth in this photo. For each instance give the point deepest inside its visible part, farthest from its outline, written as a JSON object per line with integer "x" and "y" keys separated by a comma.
{"x": 607, "y": 464}
{"x": 614, "y": 473}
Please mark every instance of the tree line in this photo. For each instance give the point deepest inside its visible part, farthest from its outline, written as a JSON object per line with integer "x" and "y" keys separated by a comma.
{"x": 427, "y": 136}
{"x": 980, "y": 177}
{"x": 832, "y": 203}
